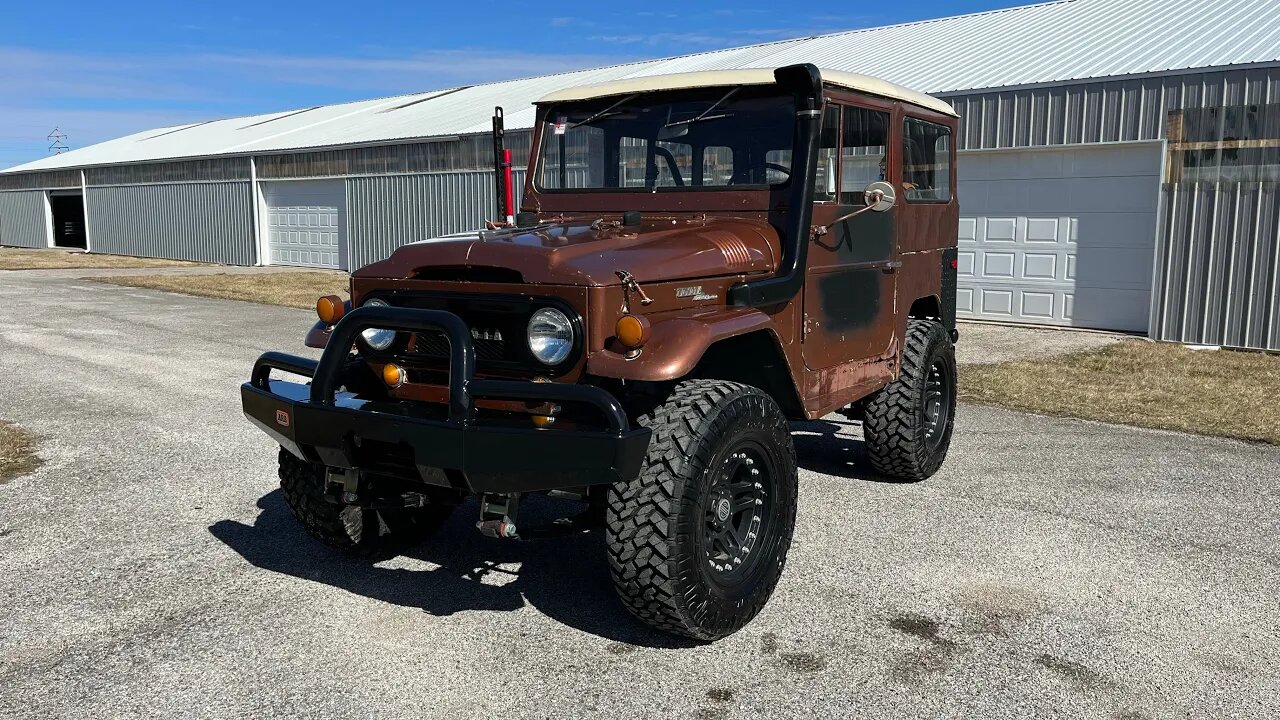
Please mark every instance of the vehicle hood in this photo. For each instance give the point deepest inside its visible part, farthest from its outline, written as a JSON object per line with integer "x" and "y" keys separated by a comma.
{"x": 576, "y": 253}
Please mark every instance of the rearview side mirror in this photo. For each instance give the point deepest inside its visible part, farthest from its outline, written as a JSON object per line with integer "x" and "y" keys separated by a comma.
{"x": 879, "y": 197}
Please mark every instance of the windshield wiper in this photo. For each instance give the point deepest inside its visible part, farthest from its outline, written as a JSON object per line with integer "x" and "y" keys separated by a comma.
{"x": 605, "y": 112}
{"x": 706, "y": 114}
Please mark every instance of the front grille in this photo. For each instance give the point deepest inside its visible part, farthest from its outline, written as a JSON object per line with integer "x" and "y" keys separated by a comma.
{"x": 498, "y": 326}
{"x": 492, "y": 348}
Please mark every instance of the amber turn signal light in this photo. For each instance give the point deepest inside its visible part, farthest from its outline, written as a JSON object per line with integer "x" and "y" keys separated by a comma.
{"x": 393, "y": 375}
{"x": 542, "y": 421}
{"x": 632, "y": 330}
{"x": 330, "y": 309}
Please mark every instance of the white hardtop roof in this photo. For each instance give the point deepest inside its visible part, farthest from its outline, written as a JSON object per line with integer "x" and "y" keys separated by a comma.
{"x": 751, "y": 76}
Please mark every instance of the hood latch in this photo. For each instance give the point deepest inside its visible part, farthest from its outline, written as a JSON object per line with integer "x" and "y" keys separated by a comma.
{"x": 629, "y": 285}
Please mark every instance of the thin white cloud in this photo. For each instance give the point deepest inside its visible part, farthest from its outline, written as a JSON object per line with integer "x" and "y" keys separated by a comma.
{"x": 96, "y": 97}
{"x": 420, "y": 71}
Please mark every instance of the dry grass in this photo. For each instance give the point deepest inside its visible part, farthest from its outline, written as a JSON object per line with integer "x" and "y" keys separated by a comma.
{"x": 290, "y": 289}
{"x": 1158, "y": 385}
{"x": 17, "y": 452}
{"x": 55, "y": 259}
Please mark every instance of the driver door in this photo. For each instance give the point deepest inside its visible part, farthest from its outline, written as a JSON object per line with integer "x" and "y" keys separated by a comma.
{"x": 851, "y": 285}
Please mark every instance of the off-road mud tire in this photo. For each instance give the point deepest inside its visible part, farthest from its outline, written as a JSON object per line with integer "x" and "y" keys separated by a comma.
{"x": 657, "y": 544}
{"x": 896, "y": 421}
{"x": 372, "y": 534}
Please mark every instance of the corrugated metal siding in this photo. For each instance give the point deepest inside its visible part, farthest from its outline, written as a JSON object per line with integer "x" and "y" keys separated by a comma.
{"x": 22, "y": 219}
{"x": 57, "y": 179}
{"x": 216, "y": 169}
{"x": 209, "y": 222}
{"x": 386, "y": 212}
{"x": 1112, "y": 111}
{"x": 1217, "y": 274}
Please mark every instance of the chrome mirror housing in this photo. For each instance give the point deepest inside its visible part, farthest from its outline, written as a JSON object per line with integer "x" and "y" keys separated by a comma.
{"x": 880, "y": 196}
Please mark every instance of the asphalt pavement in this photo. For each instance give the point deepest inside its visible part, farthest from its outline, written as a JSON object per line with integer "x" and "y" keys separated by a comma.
{"x": 149, "y": 568}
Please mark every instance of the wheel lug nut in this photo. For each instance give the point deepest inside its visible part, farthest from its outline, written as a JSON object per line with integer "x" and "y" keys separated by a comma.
{"x": 749, "y": 461}
{"x": 755, "y": 471}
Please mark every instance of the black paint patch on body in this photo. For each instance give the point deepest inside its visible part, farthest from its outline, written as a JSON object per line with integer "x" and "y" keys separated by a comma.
{"x": 849, "y": 299}
{"x": 864, "y": 238}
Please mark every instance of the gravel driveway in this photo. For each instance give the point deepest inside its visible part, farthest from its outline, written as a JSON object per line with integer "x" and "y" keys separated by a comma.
{"x": 150, "y": 568}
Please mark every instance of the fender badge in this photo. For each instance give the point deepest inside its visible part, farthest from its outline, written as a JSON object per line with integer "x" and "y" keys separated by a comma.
{"x": 282, "y": 418}
{"x": 695, "y": 292}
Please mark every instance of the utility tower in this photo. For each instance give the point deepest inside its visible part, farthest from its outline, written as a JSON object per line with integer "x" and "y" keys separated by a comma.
{"x": 57, "y": 142}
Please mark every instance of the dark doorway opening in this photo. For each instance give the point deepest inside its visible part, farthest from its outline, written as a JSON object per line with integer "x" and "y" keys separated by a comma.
{"x": 68, "y": 220}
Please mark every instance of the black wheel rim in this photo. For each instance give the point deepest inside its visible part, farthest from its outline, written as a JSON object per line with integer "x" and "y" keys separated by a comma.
{"x": 737, "y": 513}
{"x": 937, "y": 403}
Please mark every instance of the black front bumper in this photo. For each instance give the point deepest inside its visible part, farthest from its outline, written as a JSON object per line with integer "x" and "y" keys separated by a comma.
{"x": 440, "y": 445}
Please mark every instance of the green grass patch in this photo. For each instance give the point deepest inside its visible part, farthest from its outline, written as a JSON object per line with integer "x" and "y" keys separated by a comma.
{"x": 1157, "y": 385}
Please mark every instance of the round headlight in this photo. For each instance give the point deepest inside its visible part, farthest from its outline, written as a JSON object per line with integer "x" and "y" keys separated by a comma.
{"x": 377, "y": 338}
{"x": 550, "y": 336}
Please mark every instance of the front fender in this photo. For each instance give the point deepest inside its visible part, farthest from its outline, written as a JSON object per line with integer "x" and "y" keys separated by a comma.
{"x": 678, "y": 342}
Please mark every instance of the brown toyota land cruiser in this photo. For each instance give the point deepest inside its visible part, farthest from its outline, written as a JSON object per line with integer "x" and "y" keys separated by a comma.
{"x": 699, "y": 259}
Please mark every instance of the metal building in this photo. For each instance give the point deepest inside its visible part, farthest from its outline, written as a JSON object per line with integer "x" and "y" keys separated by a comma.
{"x": 1119, "y": 169}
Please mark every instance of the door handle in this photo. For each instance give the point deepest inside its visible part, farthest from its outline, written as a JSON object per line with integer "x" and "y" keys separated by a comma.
{"x": 885, "y": 265}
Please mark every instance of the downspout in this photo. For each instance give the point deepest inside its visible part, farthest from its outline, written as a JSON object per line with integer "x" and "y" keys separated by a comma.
{"x": 84, "y": 208}
{"x": 806, "y": 83}
{"x": 260, "y": 254}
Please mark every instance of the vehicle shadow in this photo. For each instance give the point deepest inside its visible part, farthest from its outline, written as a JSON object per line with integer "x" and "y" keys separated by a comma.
{"x": 835, "y": 447}
{"x": 565, "y": 577}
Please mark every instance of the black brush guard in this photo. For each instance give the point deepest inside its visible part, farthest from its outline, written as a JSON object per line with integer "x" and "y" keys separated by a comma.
{"x": 441, "y": 445}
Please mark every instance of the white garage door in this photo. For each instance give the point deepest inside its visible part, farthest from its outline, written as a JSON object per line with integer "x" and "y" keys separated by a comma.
{"x": 306, "y": 223}
{"x": 1060, "y": 237}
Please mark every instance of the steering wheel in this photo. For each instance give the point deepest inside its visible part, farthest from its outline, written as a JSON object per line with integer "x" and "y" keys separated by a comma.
{"x": 768, "y": 166}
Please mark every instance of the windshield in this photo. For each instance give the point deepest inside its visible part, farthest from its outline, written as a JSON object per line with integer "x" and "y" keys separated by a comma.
{"x": 709, "y": 138}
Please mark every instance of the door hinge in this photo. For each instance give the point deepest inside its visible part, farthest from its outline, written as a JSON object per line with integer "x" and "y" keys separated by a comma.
{"x": 809, "y": 325}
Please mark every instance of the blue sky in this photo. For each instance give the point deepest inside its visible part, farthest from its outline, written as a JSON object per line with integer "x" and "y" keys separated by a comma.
{"x": 101, "y": 70}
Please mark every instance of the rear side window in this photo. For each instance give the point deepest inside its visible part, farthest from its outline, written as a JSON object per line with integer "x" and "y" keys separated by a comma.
{"x": 926, "y": 161}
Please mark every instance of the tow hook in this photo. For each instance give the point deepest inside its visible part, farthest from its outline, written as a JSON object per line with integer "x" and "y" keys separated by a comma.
{"x": 498, "y": 516}
{"x": 500, "y": 529}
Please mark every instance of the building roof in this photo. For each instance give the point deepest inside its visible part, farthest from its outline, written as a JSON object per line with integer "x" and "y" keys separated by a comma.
{"x": 1054, "y": 42}
{"x": 748, "y": 76}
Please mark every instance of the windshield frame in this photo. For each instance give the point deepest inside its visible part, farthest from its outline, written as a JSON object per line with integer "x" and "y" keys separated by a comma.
{"x": 719, "y": 98}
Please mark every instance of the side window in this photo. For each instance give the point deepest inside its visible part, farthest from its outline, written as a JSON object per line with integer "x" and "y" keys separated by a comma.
{"x": 717, "y": 165}
{"x": 633, "y": 158}
{"x": 824, "y": 185}
{"x": 674, "y": 164}
{"x": 926, "y": 161}
{"x": 864, "y": 154}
